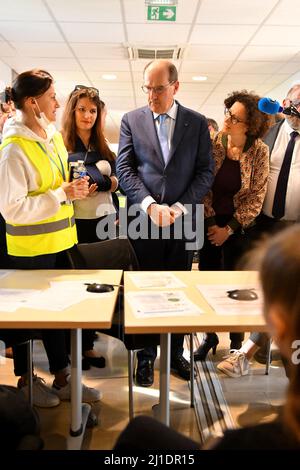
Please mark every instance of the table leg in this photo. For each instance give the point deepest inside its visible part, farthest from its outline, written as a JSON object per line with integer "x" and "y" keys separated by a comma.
{"x": 164, "y": 380}
{"x": 192, "y": 369}
{"x": 79, "y": 411}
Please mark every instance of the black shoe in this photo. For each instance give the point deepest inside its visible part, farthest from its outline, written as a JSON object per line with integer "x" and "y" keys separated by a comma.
{"x": 261, "y": 356}
{"x": 144, "y": 375}
{"x": 235, "y": 344}
{"x": 181, "y": 366}
{"x": 87, "y": 362}
{"x": 211, "y": 341}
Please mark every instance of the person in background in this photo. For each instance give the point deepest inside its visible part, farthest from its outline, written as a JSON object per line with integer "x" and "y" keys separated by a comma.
{"x": 281, "y": 208}
{"x": 6, "y": 111}
{"x": 279, "y": 276}
{"x": 237, "y": 194}
{"x": 35, "y": 201}
{"x": 212, "y": 127}
{"x": 82, "y": 130}
{"x": 164, "y": 163}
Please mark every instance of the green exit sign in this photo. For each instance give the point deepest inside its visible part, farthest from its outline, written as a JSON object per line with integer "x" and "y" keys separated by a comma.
{"x": 161, "y": 13}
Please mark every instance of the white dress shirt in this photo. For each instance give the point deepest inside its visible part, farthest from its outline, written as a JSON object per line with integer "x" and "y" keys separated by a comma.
{"x": 292, "y": 201}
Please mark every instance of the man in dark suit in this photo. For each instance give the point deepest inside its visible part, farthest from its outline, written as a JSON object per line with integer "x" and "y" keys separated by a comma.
{"x": 166, "y": 168}
{"x": 278, "y": 139}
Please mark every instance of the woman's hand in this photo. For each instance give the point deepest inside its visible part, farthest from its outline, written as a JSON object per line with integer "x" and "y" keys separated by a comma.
{"x": 217, "y": 235}
{"x": 77, "y": 189}
{"x": 114, "y": 184}
{"x": 92, "y": 189}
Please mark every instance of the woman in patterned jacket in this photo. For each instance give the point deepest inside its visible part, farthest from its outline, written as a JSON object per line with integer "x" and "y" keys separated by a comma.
{"x": 237, "y": 194}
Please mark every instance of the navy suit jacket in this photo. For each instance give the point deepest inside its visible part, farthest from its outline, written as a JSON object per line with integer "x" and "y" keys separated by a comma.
{"x": 271, "y": 136}
{"x": 141, "y": 170}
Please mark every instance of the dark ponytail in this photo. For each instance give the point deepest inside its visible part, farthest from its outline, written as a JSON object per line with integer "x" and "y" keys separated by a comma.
{"x": 31, "y": 83}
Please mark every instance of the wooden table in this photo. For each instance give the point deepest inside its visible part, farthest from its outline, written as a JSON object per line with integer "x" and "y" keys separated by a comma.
{"x": 96, "y": 312}
{"x": 209, "y": 321}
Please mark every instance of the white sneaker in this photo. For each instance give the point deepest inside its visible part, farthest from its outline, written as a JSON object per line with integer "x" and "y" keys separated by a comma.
{"x": 42, "y": 395}
{"x": 88, "y": 394}
{"x": 234, "y": 365}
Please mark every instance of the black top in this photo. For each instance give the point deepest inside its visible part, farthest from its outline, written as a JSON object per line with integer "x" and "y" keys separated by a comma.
{"x": 226, "y": 184}
{"x": 90, "y": 158}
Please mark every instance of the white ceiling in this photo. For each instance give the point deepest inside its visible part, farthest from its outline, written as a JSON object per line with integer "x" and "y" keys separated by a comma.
{"x": 237, "y": 44}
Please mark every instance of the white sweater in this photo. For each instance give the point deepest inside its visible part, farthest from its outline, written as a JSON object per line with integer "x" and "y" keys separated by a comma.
{"x": 18, "y": 177}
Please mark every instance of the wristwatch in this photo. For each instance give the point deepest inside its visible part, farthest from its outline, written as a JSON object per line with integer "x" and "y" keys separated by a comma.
{"x": 229, "y": 230}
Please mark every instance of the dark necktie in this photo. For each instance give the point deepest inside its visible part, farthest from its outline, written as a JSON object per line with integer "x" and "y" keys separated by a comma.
{"x": 163, "y": 136}
{"x": 282, "y": 182}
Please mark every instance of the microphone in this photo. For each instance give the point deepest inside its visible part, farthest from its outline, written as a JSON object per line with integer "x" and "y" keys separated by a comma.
{"x": 269, "y": 106}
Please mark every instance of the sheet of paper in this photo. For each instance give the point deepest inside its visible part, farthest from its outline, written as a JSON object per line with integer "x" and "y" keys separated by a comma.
{"x": 145, "y": 280}
{"x": 217, "y": 297}
{"x": 64, "y": 294}
{"x": 12, "y": 299}
{"x": 4, "y": 273}
{"x": 147, "y": 304}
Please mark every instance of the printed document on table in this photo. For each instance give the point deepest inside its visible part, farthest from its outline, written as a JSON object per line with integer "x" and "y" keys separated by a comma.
{"x": 64, "y": 294}
{"x": 145, "y": 280}
{"x": 217, "y": 297}
{"x": 4, "y": 273}
{"x": 147, "y": 304}
{"x": 12, "y": 299}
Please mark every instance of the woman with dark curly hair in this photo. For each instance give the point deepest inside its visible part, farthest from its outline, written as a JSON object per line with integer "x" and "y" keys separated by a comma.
{"x": 237, "y": 194}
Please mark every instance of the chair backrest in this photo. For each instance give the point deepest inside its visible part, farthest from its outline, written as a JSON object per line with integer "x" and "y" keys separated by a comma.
{"x": 117, "y": 253}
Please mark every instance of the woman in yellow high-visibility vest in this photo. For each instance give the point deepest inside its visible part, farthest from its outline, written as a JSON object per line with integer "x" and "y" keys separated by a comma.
{"x": 36, "y": 203}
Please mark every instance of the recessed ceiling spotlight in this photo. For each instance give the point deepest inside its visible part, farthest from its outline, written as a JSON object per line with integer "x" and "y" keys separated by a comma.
{"x": 199, "y": 78}
{"x": 109, "y": 76}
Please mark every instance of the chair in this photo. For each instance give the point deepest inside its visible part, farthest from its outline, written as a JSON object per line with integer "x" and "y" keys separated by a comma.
{"x": 117, "y": 253}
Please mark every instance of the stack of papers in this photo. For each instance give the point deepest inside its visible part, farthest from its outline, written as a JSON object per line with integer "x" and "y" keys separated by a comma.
{"x": 146, "y": 280}
{"x": 59, "y": 296}
{"x": 12, "y": 299}
{"x": 217, "y": 297}
{"x": 147, "y": 304}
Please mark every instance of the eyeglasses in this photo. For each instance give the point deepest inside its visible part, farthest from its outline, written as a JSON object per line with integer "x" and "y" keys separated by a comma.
{"x": 158, "y": 90}
{"x": 233, "y": 119}
{"x": 84, "y": 87}
{"x": 295, "y": 103}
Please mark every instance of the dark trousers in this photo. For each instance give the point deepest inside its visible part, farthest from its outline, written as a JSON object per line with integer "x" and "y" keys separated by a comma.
{"x": 55, "y": 346}
{"x": 87, "y": 233}
{"x": 225, "y": 257}
{"x": 163, "y": 255}
{"x": 54, "y": 340}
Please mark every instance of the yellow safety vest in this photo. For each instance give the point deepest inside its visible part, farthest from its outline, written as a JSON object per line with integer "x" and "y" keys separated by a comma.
{"x": 56, "y": 233}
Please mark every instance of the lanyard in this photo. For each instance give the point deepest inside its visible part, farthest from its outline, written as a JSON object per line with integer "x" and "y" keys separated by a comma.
{"x": 61, "y": 167}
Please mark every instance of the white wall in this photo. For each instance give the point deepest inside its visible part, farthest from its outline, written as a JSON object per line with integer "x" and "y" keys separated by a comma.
{"x": 279, "y": 93}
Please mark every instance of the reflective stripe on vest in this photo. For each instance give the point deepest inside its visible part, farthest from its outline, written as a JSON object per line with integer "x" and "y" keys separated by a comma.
{"x": 48, "y": 227}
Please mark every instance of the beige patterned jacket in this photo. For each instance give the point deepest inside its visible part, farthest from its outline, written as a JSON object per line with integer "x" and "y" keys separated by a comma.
{"x": 254, "y": 166}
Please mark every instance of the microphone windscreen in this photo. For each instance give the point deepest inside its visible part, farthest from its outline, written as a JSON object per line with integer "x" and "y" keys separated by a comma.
{"x": 268, "y": 106}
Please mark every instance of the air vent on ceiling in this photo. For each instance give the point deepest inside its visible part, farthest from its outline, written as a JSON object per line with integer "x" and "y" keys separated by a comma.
{"x": 169, "y": 52}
